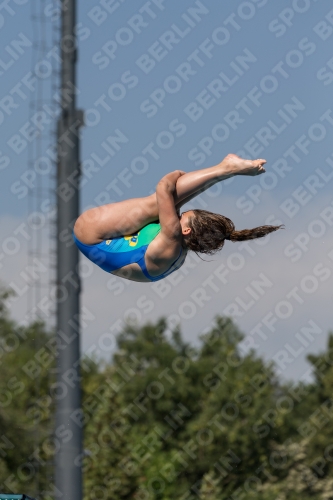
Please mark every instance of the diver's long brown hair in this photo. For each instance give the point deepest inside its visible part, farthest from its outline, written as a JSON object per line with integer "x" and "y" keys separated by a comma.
{"x": 209, "y": 232}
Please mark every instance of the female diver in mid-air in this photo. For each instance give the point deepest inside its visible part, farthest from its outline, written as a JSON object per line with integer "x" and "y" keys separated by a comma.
{"x": 146, "y": 239}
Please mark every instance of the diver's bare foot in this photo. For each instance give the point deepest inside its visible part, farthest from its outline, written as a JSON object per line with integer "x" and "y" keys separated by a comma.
{"x": 239, "y": 166}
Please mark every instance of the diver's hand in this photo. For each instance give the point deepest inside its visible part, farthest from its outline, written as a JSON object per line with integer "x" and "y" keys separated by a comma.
{"x": 170, "y": 180}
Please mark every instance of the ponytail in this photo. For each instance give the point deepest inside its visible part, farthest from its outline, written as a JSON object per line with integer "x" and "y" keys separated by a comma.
{"x": 209, "y": 232}
{"x": 251, "y": 234}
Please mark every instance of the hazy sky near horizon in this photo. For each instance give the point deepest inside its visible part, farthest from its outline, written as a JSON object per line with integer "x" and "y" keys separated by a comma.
{"x": 178, "y": 85}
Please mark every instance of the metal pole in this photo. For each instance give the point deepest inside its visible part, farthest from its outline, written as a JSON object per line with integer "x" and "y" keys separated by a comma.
{"x": 68, "y": 432}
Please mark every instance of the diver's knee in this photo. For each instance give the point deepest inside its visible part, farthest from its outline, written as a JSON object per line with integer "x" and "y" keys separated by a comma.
{"x": 152, "y": 204}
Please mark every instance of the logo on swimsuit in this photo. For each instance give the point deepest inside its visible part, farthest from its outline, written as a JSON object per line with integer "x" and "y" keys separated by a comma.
{"x": 108, "y": 242}
{"x": 132, "y": 239}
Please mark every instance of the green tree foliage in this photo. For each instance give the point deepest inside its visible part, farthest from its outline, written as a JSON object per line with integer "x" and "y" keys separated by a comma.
{"x": 300, "y": 479}
{"x": 183, "y": 422}
{"x": 25, "y": 403}
{"x": 164, "y": 420}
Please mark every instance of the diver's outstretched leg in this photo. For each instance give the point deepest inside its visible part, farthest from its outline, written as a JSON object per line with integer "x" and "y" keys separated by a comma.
{"x": 129, "y": 216}
{"x": 193, "y": 183}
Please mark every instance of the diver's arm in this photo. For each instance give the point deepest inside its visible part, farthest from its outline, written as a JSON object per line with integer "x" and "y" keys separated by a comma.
{"x": 168, "y": 214}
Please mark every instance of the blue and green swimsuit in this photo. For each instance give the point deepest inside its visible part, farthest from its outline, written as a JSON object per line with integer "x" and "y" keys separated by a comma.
{"x": 119, "y": 252}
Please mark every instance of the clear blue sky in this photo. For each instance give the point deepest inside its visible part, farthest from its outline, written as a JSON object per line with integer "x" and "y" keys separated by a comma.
{"x": 181, "y": 84}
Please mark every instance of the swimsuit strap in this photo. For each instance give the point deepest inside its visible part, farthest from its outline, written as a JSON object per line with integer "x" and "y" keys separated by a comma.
{"x": 143, "y": 266}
